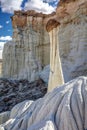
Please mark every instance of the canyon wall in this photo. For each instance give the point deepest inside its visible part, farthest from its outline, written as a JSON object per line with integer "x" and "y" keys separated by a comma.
{"x": 30, "y": 50}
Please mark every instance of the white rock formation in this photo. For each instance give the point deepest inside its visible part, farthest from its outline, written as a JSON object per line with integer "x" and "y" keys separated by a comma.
{"x": 29, "y": 51}
{"x": 65, "y": 108}
{"x": 72, "y": 36}
{"x": 56, "y": 75}
{"x": 68, "y": 42}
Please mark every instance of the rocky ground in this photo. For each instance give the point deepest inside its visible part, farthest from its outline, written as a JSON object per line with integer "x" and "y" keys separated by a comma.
{"x": 15, "y": 91}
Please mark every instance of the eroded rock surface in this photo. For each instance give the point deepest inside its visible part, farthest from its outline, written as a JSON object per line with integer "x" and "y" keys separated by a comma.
{"x": 72, "y": 15}
{"x": 68, "y": 41}
{"x": 62, "y": 109}
{"x": 56, "y": 74}
{"x": 29, "y": 51}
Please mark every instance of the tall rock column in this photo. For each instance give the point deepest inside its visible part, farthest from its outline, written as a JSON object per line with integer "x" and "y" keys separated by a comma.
{"x": 56, "y": 75}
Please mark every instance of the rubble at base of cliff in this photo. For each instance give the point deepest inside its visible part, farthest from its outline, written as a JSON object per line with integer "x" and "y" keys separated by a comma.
{"x": 13, "y": 92}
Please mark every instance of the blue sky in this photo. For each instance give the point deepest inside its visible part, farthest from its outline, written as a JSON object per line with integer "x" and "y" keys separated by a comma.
{"x": 7, "y": 8}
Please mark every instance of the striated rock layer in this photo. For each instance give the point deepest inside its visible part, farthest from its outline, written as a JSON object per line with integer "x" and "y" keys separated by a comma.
{"x": 30, "y": 50}
{"x": 65, "y": 108}
{"x": 72, "y": 16}
{"x": 68, "y": 40}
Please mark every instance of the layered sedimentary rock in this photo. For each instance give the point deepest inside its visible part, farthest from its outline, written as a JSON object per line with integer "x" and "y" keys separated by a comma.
{"x": 72, "y": 36}
{"x": 68, "y": 40}
{"x": 65, "y": 108}
{"x": 29, "y": 51}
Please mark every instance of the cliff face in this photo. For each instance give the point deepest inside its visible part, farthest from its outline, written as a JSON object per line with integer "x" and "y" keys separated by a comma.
{"x": 68, "y": 42}
{"x": 73, "y": 37}
{"x": 29, "y": 51}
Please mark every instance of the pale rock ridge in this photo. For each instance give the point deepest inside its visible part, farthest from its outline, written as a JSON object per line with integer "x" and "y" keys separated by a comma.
{"x": 62, "y": 109}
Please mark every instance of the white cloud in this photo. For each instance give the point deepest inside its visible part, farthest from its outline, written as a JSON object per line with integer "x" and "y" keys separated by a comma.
{"x": 7, "y": 22}
{"x": 1, "y": 26}
{"x": 10, "y": 5}
{"x": 5, "y": 38}
{"x": 39, "y": 6}
{"x": 49, "y": 1}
